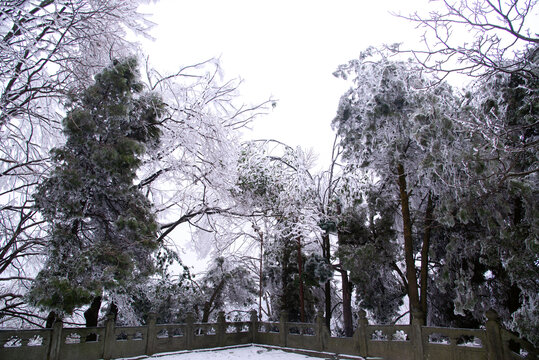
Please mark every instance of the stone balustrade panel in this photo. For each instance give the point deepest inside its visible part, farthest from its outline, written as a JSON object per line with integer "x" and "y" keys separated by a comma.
{"x": 301, "y": 336}
{"x": 82, "y": 343}
{"x": 23, "y": 344}
{"x": 268, "y": 333}
{"x": 129, "y": 341}
{"x": 518, "y": 348}
{"x": 452, "y": 343}
{"x": 391, "y": 340}
{"x": 237, "y": 327}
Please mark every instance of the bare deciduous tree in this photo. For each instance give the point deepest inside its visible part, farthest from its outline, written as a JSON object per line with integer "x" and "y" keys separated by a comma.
{"x": 501, "y": 36}
{"x": 193, "y": 172}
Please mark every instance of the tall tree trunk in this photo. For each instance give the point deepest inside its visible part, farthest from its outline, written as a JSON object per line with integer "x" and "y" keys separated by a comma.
{"x": 425, "y": 257}
{"x": 206, "y": 311}
{"x": 288, "y": 295}
{"x": 327, "y": 295}
{"x": 346, "y": 304}
{"x": 411, "y": 277}
{"x": 301, "y": 290}
{"x": 91, "y": 315}
{"x": 260, "y": 289}
{"x": 51, "y": 319}
{"x": 113, "y": 310}
{"x": 326, "y": 250}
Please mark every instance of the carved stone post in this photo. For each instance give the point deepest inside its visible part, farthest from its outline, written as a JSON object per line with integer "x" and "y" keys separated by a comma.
{"x": 110, "y": 339}
{"x": 221, "y": 328}
{"x": 189, "y": 331}
{"x": 321, "y": 331}
{"x": 254, "y": 326}
{"x": 495, "y": 346}
{"x": 56, "y": 340}
{"x": 151, "y": 334}
{"x": 362, "y": 334}
{"x": 283, "y": 329}
{"x": 417, "y": 335}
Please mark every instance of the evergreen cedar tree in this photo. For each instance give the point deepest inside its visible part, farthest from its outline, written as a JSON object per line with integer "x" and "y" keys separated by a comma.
{"x": 463, "y": 172}
{"x": 48, "y": 47}
{"x": 102, "y": 230}
{"x": 396, "y": 125}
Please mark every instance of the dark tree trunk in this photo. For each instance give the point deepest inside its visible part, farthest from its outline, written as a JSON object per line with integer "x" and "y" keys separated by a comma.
{"x": 411, "y": 276}
{"x": 326, "y": 250}
{"x": 208, "y": 305}
{"x": 301, "y": 290}
{"x": 425, "y": 257}
{"x": 113, "y": 310}
{"x": 289, "y": 301}
{"x": 327, "y": 294}
{"x": 91, "y": 315}
{"x": 347, "y": 305}
{"x": 260, "y": 270}
{"x": 51, "y": 319}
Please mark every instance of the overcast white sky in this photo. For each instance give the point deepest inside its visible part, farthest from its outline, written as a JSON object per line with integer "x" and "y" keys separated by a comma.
{"x": 285, "y": 49}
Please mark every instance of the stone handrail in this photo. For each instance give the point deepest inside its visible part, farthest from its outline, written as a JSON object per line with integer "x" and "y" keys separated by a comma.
{"x": 402, "y": 342}
{"x": 509, "y": 339}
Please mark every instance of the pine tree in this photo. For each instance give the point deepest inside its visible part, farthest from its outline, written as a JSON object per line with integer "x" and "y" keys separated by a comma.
{"x": 102, "y": 229}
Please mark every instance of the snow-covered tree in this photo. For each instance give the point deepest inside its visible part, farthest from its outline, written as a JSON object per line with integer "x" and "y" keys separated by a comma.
{"x": 48, "y": 48}
{"x": 502, "y": 37}
{"x": 276, "y": 182}
{"x": 188, "y": 177}
{"x": 171, "y": 296}
{"x": 326, "y": 185}
{"x": 103, "y": 231}
{"x": 487, "y": 243}
{"x": 226, "y": 285}
{"x": 463, "y": 173}
{"x": 492, "y": 246}
{"x": 191, "y": 176}
{"x": 397, "y": 125}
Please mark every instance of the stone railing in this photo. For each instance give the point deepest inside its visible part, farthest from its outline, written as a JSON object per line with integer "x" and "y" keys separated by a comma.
{"x": 402, "y": 342}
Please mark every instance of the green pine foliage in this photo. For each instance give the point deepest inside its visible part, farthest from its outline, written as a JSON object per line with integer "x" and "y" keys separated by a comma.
{"x": 102, "y": 228}
{"x": 475, "y": 156}
{"x": 492, "y": 250}
{"x": 368, "y": 248}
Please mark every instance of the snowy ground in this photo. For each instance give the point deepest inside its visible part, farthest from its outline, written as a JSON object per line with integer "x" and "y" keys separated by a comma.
{"x": 234, "y": 353}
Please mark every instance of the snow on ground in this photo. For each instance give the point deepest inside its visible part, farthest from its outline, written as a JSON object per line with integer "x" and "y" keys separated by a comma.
{"x": 233, "y": 353}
